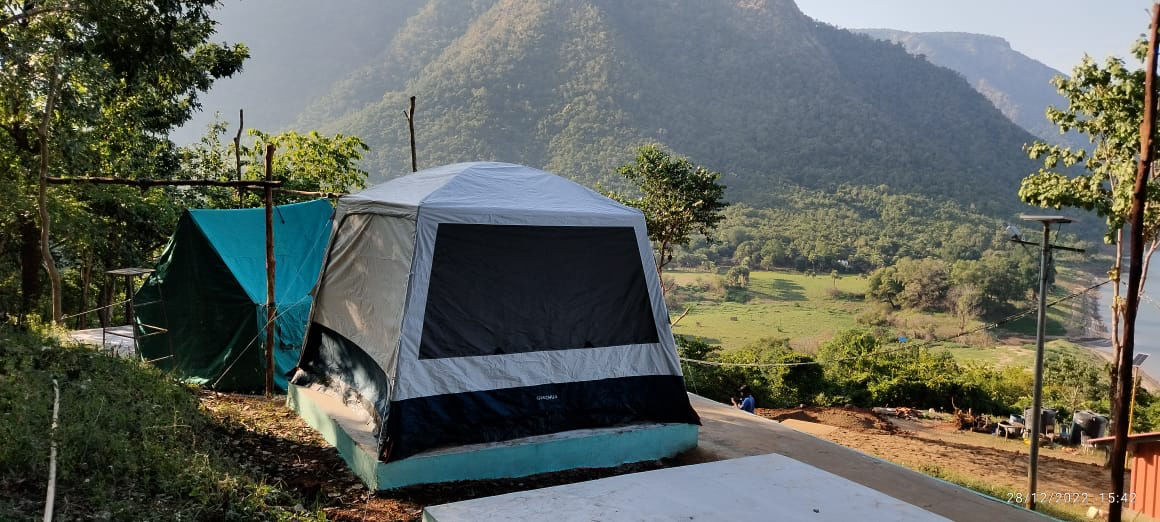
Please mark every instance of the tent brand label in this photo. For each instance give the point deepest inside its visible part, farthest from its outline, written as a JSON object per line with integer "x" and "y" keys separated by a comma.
{"x": 546, "y": 397}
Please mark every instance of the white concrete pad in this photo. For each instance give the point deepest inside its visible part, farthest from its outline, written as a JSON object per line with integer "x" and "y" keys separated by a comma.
{"x": 764, "y": 487}
{"x": 118, "y": 339}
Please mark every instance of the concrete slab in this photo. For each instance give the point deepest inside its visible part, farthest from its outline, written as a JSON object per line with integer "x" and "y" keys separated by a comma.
{"x": 351, "y": 433}
{"x": 119, "y": 339}
{"x": 767, "y": 487}
{"x": 727, "y": 433}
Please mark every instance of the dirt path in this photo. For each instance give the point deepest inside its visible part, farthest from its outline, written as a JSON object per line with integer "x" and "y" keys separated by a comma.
{"x": 937, "y": 448}
{"x": 729, "y": 433}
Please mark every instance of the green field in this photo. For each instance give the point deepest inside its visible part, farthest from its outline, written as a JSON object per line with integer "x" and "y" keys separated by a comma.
{"x": 1022, "y": 355}
{"x": 1063, "y": 316}
{"x": 807, "y": 311}
{"x": 781, "y": 304}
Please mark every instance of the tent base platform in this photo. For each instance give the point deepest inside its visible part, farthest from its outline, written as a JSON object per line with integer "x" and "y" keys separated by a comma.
{"x": 588, "y": 448}
{"x": 765, "y": 487}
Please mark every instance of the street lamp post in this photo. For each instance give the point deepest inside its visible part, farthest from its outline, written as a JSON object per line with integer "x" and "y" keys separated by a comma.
{"x": 1036, "y": 421}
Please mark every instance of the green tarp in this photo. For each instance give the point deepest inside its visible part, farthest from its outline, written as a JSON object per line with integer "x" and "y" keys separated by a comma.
{"x": 209, "y": 291}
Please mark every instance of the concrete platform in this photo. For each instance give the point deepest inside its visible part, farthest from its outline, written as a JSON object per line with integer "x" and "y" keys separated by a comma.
{"x": 350, "y": 432}
{"x": 118, "y": 339}
{"x": 766, "y": 487}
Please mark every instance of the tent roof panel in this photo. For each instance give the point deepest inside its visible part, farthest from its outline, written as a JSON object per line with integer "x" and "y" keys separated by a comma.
{"x": 499, "y": 187}
{"x": 238, "y": 236}
{"x": 405, "y": 191}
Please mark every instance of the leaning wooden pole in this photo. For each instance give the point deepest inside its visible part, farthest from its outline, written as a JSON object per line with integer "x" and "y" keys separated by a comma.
{"x": 1135, "y": 274}
{"x": 271, "y": 262}
{"x": 50, "y": 495}
{"x": 411, "y": 127}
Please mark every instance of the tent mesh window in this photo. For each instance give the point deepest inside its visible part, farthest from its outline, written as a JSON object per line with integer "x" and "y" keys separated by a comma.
{"x": 504, "y": 289}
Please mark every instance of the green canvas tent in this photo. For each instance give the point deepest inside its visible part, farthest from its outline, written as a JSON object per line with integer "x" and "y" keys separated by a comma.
{"x": 209, "y": 292}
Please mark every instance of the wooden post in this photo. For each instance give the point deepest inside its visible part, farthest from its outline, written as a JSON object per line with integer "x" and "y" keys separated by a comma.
{"x": 238, "y": 153}
{"x": 271, "y": 262}
{"x": 1135, "y": 274}
{"x": 410, "y": 114}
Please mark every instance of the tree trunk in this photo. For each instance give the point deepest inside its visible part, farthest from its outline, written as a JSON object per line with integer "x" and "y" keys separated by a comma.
{"x": 29, "y": 264}
{"x": 86, "y": 280}
{"x": 1135, "y": 275}
{"x": 1117, "y": 264}
{"x": 104, "y": 297}
{"x": 42, "y": 198}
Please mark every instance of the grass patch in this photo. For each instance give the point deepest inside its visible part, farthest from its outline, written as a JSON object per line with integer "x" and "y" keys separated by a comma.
{"x": 787, "y": 305}
{"x": 133, "y": 444}
{"x": 1022, "y": 355}
{"x": 1063, "y": 316}
{"x": 810, "y": 310}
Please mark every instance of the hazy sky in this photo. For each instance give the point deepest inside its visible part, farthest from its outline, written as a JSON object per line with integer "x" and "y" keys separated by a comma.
{"x": 1055, "y": 32}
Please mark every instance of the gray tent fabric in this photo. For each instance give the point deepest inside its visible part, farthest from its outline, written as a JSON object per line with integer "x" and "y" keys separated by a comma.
{"x": 480, "y": 302}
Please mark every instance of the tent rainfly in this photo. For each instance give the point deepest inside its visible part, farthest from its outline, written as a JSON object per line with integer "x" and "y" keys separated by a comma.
{"x": 209, "y": 291}
{"x": 485, "y": 302}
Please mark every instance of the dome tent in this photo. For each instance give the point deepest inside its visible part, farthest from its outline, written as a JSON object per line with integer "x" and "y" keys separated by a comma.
{"x": 485, "y": 302}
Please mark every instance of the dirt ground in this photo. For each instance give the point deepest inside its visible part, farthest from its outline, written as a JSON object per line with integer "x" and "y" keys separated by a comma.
{"x": 271, "y": 440}
{"x": 935, "y": 446}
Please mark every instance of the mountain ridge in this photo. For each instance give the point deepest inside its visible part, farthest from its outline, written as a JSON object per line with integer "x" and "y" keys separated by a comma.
{"x": 754, "y": 89}
{"x": 1018, "y": 85}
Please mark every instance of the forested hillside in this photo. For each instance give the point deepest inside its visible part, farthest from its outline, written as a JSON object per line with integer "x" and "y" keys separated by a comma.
{"x": 753, "y": 89}
{"x": 1017, "y": 84}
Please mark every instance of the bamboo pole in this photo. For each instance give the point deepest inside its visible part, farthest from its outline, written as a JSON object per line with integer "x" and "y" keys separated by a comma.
{"x": 148, "y": 183}
{"x": 1135, "y": 274}
{"x": 271, "y": 262}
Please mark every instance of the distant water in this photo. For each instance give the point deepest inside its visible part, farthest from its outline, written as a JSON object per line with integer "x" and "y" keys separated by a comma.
{"x": 1147, "y": 319}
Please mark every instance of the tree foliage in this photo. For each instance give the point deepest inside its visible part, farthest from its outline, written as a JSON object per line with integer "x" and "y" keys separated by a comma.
{"x": 91, "y": 87}
{"x": 1106, "y": 104}
{"x": 868, "y": 367}
{"x": 309, "y": 162}
{"x": 849, "y": 229}
{"x": 122, "y": 75}
{"x": 987, "y": 286}
{"x": 678, "y": 198}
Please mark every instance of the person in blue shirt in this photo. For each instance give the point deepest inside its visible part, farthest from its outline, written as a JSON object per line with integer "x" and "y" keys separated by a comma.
{"x": 746, "y": 403}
